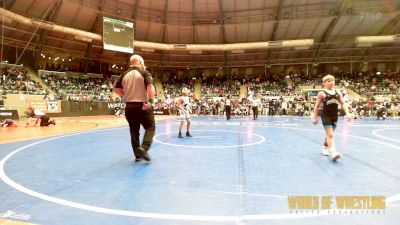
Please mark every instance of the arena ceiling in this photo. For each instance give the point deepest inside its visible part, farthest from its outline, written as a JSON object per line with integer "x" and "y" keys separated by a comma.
{"x": 332, "y": 24}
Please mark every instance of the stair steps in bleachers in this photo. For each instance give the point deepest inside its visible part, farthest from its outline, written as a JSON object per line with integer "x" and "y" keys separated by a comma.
{"x": 34, "y": 76}
{"x": 159, "y": 89}
{"x": 197, "y": 88}
{"x": 243, "y": 91}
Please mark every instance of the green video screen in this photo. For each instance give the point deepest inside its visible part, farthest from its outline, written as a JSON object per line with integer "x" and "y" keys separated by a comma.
{"x": 118, "y": 35}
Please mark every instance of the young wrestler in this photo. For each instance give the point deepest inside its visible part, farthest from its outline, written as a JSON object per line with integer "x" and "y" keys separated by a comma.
{"x": 184, "y": 107}
{"x": 330, "y": 99}
{"x": 8, "y": 123}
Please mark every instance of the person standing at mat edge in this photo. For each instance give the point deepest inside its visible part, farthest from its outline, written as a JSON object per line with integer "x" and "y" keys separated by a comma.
{"x": 330, "y": 99}
{"x": 254, "y": 105}
{"x": 136, "y": 87}
{"x": 228, "y": 104}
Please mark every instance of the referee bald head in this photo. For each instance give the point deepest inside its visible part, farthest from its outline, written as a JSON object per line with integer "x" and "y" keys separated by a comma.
{"x": 137, "y": 60}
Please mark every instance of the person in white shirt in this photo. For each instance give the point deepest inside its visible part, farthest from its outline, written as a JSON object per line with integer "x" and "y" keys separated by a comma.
{"x": 39, "y": 115}
{"x": 228, "y": 103}
{"x": 284, "y": 107}
{"x": 254, "y": 105}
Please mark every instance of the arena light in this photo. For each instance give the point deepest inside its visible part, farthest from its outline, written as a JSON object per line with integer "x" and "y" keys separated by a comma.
{"x": 222, "y": 47}
{"x": 364, "y": 40}
{"x": 298, "y": 43}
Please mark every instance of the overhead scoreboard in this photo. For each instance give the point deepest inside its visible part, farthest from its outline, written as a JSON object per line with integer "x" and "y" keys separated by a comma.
{"x": 118, "y": 34}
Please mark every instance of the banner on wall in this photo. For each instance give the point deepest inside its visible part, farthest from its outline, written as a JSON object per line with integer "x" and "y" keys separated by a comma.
{"x": 47, "y": 106}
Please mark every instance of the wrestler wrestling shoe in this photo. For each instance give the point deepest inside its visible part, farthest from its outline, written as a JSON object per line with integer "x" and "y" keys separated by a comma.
{"x": 335, "y": 155}
{"x": 324, "y": 151}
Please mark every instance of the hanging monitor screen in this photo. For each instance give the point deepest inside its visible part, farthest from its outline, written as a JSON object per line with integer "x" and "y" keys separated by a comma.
{"x": 118, "y": 35}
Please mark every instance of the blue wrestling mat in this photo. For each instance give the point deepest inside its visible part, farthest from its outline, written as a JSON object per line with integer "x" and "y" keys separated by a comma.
{"x": 241, "y": 171}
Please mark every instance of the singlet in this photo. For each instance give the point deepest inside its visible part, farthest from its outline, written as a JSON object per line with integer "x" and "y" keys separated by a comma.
{"x": 185, "y": 102}
{"x": 330, "y": 104}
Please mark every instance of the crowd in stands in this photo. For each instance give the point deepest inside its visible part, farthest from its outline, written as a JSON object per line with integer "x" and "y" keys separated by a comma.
{"x": 14, "y": 80}
{"x": 213, "y": 88}
{"x": 371, "y": 86}
{"x": 279, "y": 107}
{"x": 279, "y": 94}
{"x": 283, "y": 96}
{"x": 173, "y": 90}
{"x": 242, "y": 106}
{"x": 367, "y": 84}
{"x": 78, "y": 89}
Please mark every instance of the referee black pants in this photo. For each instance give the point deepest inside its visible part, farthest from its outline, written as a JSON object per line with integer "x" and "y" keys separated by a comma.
{"x": 255, "y": 112}
{"x": 228, "y": 112}
{"x": 136, "y": 116}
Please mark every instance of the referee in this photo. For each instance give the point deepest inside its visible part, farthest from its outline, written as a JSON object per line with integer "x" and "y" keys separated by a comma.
{"x": 136, "y": 86}
{"x": 228, "y": 104}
